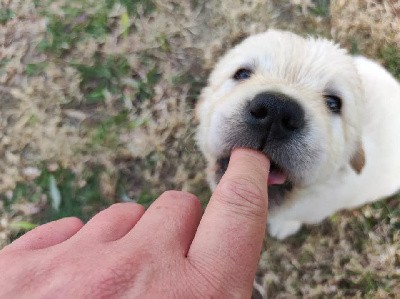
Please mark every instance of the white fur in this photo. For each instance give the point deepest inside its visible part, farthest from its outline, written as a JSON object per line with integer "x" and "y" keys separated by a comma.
{"x": 304, "y": 69}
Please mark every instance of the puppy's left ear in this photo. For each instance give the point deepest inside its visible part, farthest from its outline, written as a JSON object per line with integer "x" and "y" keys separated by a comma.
{"x": 357, "y": 162}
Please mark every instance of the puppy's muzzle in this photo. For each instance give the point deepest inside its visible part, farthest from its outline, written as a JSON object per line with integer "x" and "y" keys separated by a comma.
{"x": 274, "y": 124}
{"x": 273, "y": 117}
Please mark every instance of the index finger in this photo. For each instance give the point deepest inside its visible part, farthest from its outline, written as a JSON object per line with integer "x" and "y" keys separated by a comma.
{"x": 229, "y": 238}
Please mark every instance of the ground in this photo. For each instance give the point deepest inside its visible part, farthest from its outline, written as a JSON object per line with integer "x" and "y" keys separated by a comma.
{"x": 96, "y": 107}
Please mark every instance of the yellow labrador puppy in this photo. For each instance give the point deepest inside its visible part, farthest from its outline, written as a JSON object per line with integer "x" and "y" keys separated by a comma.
{"x": 329, "y": 122}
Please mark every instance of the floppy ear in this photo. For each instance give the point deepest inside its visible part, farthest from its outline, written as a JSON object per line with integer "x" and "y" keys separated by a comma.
{"x": 357, "y": 162}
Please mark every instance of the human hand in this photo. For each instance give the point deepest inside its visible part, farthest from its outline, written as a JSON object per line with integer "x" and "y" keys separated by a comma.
{"x": 167, "y": 251}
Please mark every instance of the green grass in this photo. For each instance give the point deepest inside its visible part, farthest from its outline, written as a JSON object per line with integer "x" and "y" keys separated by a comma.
{"x": 75, "y": 25}
{"x": 106, "y": 133}
{"x": 3, "y": 64}
{"x": 134, "y": 6}
{"x": 145, "y": 86}
{"x": 34, "y": 69}
{"x": 107, "y": 74}
{"x": 146, "y": 198}
{"x": 6, "y": 14}
{"x": 64, "y": 32}
{"x": 391, "y": 56}
{"x": 65, "y": 195}
{"x": 321, "y": 8}
{"x": 103, "y": 76}
{"x": 355, "y": 49}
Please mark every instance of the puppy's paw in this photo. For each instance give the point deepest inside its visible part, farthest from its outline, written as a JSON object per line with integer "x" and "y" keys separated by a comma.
{"x": 282, "y": 229}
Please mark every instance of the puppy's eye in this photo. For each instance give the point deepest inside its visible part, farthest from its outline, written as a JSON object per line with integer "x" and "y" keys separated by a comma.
{"x": 242, "y": 74}
{"x": 334, "y": 103}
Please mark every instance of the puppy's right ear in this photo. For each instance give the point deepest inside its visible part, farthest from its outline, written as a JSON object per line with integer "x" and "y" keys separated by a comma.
{"x": 357, "y": 162}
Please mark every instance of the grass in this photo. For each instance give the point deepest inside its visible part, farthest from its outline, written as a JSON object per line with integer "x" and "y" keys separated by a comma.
{"x": 97, "y": 107}
{"x": 391, "y": 56}
{"x": 134, "y": 7}
{"x": 107, "y": 132}
{"x": 74, "y": 25}
{"x": 3, "y": 64}
{"x": 35, "y": 69}
{"x": 102, "y": 77}
{"x": 6, "y": 15}
{"x": 61, "y": 193}
{"x": 321, "y": 8}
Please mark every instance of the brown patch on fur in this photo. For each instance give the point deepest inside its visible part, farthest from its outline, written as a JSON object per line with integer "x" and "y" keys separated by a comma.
{"x": 357, "y": 162}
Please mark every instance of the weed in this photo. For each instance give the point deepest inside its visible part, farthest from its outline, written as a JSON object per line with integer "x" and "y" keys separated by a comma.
{"x": 368, "y": 283}
{"x": 321, "y": 8}
{"x": 164, "y": 42}
{"x": 63, "y": 33}
{"x": 355, "y": 49}
{"x": 146, "y": 198}
{"x": 3, "y": 64}
{"x": 35, "y": 69}
{"x": 391, "y": 56}
{"x": 80, "y": 199}
{"x": 133, "y": 7}
{"x": 104, "y": 75}
{"x": 108, "y": 131}
{"x": 196, "y": 83}
{"x": 23, "y": 225}
{"x": 6, "y": 14}
{"x": 144, "y": 87}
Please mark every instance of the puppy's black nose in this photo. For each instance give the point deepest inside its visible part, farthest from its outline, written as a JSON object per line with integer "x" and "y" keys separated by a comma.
{"x": 274, "y": 115}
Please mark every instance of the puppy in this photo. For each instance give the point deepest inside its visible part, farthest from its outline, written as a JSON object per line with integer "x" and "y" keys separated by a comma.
{"x": 329, "y": 123}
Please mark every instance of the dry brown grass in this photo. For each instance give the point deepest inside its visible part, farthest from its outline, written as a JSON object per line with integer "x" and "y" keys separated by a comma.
{"x": 371, "y": 24}
{"x": 44, "y": 120}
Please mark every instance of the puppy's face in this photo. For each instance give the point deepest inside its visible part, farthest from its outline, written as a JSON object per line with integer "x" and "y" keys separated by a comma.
{"x": 297, "y": 100}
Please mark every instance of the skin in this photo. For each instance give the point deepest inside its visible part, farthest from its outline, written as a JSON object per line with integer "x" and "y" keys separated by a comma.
{"x": 168, "y": 251}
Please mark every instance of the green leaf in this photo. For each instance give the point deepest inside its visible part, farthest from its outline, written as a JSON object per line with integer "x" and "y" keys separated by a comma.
{"x": 125, "y": 24}
{"x": 55, "y": 193}
{"x": 146, "y": 199}
{"x": 24, "y": 225}
{"x": 95, "y": 96}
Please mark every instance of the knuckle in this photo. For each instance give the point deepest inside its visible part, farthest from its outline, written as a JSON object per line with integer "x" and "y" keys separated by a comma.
{"x": 243, "y": 195}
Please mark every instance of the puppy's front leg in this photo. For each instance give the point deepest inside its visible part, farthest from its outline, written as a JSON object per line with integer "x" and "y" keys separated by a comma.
{"x": 281, "y": 228}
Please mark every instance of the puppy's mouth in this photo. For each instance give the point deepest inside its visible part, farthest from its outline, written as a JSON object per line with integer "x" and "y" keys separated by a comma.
{"x": 276, "y": 175}
{"x": 278, "y": 181}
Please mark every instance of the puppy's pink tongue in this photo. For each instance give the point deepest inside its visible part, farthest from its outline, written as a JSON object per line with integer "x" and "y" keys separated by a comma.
{"x": 276, "y": 177}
